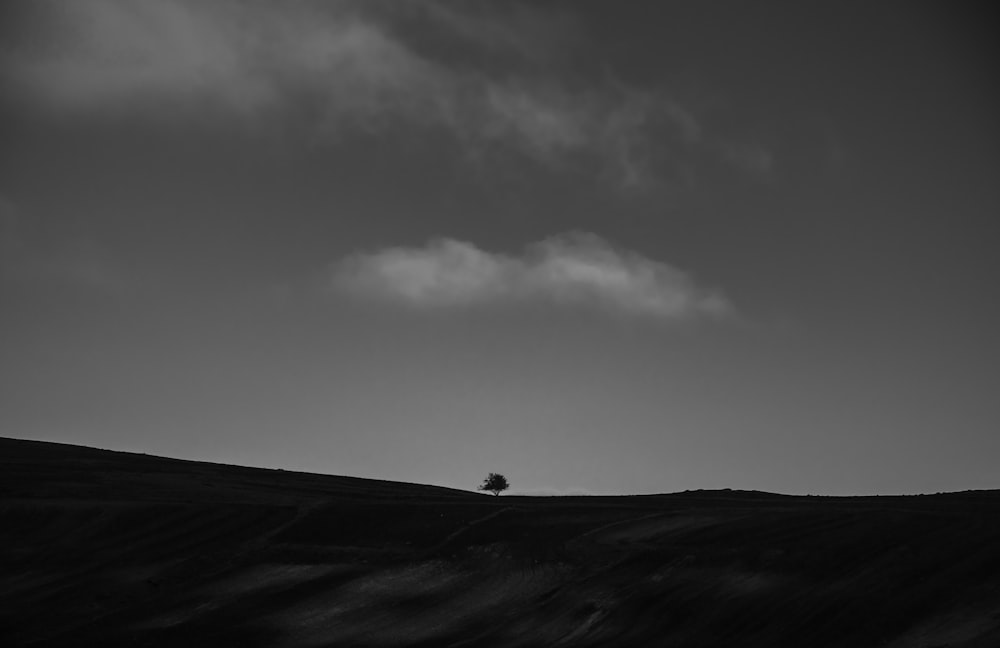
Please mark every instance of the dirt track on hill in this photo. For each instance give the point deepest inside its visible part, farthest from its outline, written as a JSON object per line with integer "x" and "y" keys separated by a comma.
{"x": 116, "y": 549}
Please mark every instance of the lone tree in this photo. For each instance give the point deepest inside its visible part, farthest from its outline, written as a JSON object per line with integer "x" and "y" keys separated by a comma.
{"x": 495, "y": 483}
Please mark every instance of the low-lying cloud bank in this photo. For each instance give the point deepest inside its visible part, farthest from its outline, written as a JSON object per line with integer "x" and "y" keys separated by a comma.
{"x": 574, "y": 268}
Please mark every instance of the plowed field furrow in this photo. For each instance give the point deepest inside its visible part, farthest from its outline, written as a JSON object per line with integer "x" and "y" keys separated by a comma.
{"x": 113, "y": 549}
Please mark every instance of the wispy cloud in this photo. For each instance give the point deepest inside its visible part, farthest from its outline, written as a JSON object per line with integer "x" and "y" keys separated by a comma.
{"x": 488, "y": 74}
{"x": 574, "y": 268}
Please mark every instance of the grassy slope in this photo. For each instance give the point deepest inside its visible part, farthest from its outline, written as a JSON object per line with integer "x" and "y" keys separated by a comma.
{"x": 123, "y": 549}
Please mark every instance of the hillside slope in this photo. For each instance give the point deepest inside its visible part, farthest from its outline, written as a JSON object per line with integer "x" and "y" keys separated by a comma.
{"x": 115, "y": 549}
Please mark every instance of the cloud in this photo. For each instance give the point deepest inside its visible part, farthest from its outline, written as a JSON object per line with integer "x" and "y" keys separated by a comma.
{"x": 576, "y": 268}
{"x": 490, "y": 75}
{"x": 244, "y": 57}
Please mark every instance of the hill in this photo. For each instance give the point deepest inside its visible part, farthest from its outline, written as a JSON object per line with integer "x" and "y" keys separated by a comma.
{"x": 118, "y": 549}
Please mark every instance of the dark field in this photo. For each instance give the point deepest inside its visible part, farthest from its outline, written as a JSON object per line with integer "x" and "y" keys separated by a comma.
{"x": 115, "y": 549}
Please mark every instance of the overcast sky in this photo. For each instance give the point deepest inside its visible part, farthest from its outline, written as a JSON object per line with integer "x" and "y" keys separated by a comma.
{"x": 602, "y": 247}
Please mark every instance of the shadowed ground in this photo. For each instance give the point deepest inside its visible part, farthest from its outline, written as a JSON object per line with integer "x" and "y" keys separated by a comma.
{"x": 118, "y": 549}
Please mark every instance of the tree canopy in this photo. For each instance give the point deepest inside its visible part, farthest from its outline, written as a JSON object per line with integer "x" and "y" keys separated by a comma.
{"x": 495, "y": 483}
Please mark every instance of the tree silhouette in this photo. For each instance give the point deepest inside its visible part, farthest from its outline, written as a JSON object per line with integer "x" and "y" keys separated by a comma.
{"x": 495, "y": 483}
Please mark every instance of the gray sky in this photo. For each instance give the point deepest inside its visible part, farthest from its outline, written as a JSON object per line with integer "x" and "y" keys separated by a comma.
{"x": 598, "y": 247}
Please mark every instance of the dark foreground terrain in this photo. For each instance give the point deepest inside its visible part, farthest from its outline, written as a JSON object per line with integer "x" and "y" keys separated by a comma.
{"x": 115, "y": 549}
